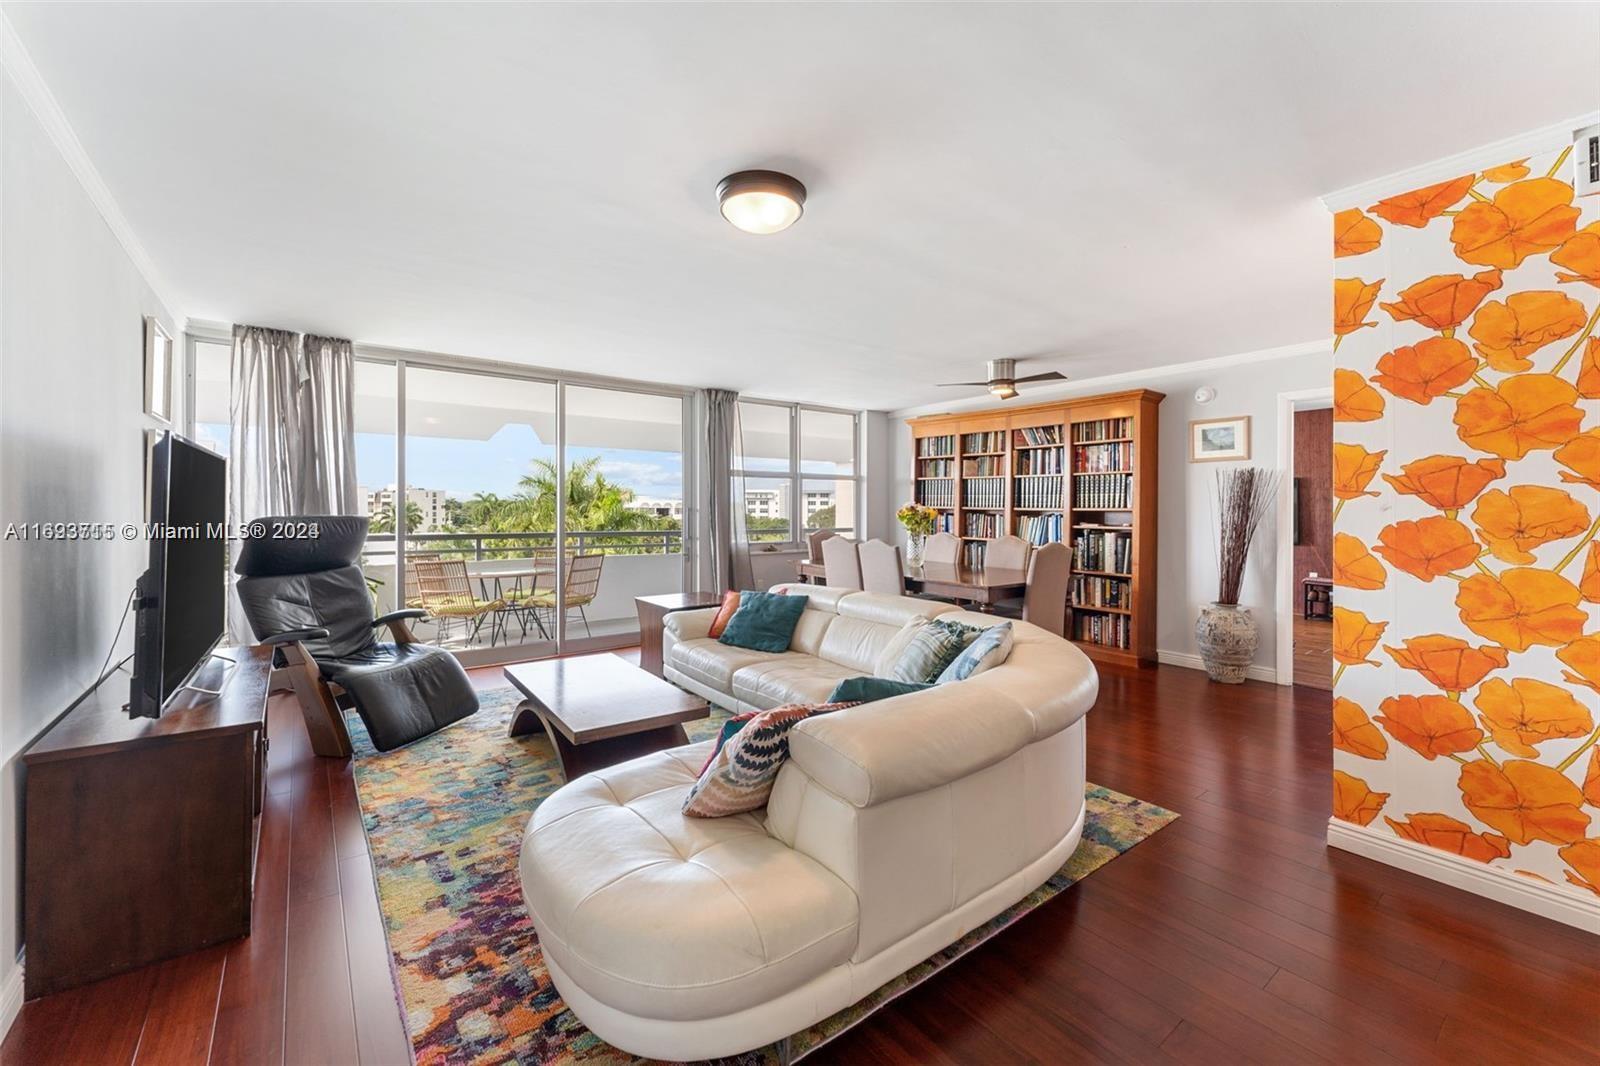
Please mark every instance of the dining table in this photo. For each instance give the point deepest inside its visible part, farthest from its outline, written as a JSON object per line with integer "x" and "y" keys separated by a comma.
{"x": 513, "y": 595}
{"x": 983, "y": 585}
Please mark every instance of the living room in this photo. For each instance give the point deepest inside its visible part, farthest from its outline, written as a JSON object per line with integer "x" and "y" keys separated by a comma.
{"x": 757, "y": 533}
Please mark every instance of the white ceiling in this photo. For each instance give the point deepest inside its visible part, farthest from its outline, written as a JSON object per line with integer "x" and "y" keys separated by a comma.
{"x": 1097, "y": 188}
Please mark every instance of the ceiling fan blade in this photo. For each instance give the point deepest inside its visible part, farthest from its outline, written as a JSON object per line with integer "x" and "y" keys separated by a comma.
{"x": 960, "y": 384}
{"x": 1048, "y": 375}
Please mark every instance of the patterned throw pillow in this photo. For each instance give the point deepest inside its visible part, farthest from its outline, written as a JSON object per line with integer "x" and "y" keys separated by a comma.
{"x": 740, "y": 774}
{"x": 992, "y": 648}
{"x": 932, "y": 648}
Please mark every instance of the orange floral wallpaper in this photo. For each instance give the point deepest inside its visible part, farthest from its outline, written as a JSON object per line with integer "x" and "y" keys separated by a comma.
{"x": 1467, "y": 520}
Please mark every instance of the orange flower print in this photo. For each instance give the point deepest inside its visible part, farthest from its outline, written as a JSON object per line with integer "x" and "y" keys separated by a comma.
{"x": 1507, "y": 172}
{"x": 1354, "y": 233}
{"x": 1524, "y": 800}
{"x": 1353, "y": 399}
{"x": 1353, "y": 566}
{"x": 1353, "y": 801}
{"x": 1521, "y": 608}
{"x": 1419, "y": 372}
{"x": 1354, "y": 732}
{"x": 1523, "y": 219}
{"x": 1353, "y": 470}
{"x": 1591, "y": 780}
{"x": 1528, "y": 712}
{"x": 1352, "y": 300}
{"x": 1589, "y": 583}
{"x": 1510, "y": 331}
{"x": 1449, "y": 663}
{"x": 1443, "y": 301}
{"x": 1580, "y": 254}
{"x": 1511, "y": 523}
{"x": 1583, "y": 655}
{"x": 1445, "y": 833}
{"x": 1421, "y": 206}
{"x": 1584, "y": 858}
{"x": 1521, "y": 414}
{"x": 1581, "y": 457}
{"x": 1429, "y": 547}
{"x": 1588, "y": 376}
{"x": 1431, "y": 726}
{"x": 1354, "y": 636}
{"x": 1447, "y": 482}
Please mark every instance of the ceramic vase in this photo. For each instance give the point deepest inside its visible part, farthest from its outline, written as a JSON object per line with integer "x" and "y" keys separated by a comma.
{"x": 1228, "y": 637}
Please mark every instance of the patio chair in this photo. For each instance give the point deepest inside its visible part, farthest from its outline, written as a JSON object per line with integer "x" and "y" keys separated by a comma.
{"x": 413, "y": 593}
{"x": 447, "y": 595}
{"x": 583, "y": 584}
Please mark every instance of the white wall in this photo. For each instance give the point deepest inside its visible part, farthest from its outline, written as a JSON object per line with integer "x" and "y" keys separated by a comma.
{"x": 1186, "y": 568}
{"x": 72, "y": 306}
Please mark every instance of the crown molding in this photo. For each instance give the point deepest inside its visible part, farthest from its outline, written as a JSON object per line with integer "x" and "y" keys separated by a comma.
{"x": 41, "y": 101}
{"x": 1545, "y": 139}
{"x": 1077, "y": 386}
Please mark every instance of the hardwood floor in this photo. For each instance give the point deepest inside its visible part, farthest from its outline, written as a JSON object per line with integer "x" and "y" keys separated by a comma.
{"x": 1313, "y": 653}
{"x": 1233, "y": 934}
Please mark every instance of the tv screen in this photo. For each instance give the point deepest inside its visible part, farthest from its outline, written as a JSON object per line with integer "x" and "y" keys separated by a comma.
{"x": 183, "y": 594}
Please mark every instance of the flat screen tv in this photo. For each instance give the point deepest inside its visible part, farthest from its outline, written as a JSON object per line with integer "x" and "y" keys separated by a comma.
{"x": 181, "y": 603}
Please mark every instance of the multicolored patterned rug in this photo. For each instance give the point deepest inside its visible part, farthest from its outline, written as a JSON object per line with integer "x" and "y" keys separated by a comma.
{"x": 444, "y": 820}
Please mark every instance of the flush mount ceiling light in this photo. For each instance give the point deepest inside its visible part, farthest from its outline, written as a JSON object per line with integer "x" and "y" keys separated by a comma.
{"x": 761, "y": 201}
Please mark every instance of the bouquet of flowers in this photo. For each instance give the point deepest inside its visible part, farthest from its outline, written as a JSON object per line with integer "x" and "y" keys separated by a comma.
{"x": 918, "y": 520}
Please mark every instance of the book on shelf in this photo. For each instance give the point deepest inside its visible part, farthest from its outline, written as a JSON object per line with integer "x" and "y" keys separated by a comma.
{"x": 1106, "y": 550}
{"x": 939, "y": 492}
{"x": 984, "y": 466}
{"x": 936, "y": 468}
{"x": 1039, "y": 491}
{"x": 1102, "y": 458}
{"x": 1037, "y": 437}
{"x": 985, "y": 492}
{"x": 990, "y": 441}
{"x": 933, "y": 447}
{"x": 1108, "y": 630}
{"x": 1039, "y": 529}
{"x": 1102, "y": 492}
{"x": 981, "y": 524}
{"x": 1088, "y": 591}
{"x": 1101, "y": 429}
{"x": 972, "y": 554}
{"x": 1041, "y": 461}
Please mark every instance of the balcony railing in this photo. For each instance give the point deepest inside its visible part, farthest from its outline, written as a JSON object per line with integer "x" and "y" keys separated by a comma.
{"x": 481, "y": 546}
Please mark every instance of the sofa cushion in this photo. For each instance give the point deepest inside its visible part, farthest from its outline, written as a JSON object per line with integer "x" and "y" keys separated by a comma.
{"x": 711, "y": 662}
{"x": 933, "y": 646}
{"x": 790, "y": 678}
{"x": 987, "y": 651}
{"x": 739, "y": 776}
{"x": 764, "y": 621}
{"x": 611, "y": 853}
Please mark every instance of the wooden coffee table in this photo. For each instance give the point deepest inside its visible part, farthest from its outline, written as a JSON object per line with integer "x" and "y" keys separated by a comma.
{"x": 600, "y": 709}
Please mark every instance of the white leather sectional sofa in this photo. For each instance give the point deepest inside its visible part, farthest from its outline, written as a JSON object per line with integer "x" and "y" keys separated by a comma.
{"x": 894, "y": 829}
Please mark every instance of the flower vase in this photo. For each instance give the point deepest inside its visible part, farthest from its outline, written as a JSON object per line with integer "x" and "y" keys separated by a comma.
{"x": 914, "y": 549}
{"x": 1227, "y": 636}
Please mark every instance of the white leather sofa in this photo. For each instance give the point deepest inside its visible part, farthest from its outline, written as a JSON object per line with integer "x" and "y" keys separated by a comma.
{"x": 894, "y": 829}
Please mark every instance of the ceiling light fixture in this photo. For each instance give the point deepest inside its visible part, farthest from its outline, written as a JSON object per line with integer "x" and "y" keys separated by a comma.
{"x": 761, "y": 201}
{"x": 1003, "y": 391}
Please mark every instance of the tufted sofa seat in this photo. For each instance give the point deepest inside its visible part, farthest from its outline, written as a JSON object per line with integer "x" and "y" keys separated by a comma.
{"x": 895, "y": 828}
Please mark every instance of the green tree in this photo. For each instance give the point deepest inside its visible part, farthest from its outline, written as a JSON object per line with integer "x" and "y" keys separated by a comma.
{"x": 823, "y": 518}
{"x": 383, "y": 522}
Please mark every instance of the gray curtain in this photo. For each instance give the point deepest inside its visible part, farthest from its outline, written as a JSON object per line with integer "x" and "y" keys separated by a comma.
{"x": 725, "y": 526}
{"x": 292, "y": 442}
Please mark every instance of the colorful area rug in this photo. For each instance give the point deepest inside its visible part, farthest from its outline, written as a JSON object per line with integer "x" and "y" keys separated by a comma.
{"x": 444, "y": 820}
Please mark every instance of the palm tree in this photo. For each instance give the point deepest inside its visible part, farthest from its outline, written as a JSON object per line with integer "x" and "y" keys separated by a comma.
{"x": 383, "y": 521}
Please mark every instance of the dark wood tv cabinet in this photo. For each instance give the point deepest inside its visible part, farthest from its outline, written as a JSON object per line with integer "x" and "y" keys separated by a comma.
{"x": 140, "y": 834}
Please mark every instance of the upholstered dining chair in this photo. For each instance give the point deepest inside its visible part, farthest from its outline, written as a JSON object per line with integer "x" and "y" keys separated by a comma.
{"x": 1007, "y": 553}
{"x": 881, "y": 567}
{"x": 840, "y": 564}
{"x": 814, "y": 544}
{"x": 1045, "y": 602}
{"x": 942, "y": 548}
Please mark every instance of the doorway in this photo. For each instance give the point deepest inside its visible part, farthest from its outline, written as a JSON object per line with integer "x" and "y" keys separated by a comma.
{"x": 1305, "y": 541}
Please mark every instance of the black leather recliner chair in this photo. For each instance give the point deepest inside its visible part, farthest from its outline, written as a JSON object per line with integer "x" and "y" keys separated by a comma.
{"x": 308, "y": 597}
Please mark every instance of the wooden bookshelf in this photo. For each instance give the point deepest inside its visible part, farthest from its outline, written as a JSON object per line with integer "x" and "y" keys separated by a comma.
{"x": 1080, "y": 471}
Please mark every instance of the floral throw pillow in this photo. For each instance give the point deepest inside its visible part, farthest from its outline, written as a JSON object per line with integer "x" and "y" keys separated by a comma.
{"x": 740, "y": 774}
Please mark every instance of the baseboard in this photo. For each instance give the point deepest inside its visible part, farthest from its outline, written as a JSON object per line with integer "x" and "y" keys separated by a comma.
{"x": 10, "y": 998}
{"x": 1188, "y": 660}
{"x": 1524, "y": 893}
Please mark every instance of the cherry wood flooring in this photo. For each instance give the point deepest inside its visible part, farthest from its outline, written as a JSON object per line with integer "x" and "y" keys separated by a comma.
{"x": 1232, "y": 935}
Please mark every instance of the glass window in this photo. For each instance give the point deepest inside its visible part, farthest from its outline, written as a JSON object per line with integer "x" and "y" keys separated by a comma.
{"x": 767, "y": 509}
{"x": 764, "y": 432}
{"x": 212, "y": 417}
{"x": 828, "y": 503}
{"x": 827, "y": 442}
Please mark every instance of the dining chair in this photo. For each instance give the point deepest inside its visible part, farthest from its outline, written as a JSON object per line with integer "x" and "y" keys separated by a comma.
{"x": 583, "y": 585}
{"x": 1045, "y": 602}
{"x": 881, "y": 567}
{"x": 1007, "y": 553}
{"x": 814, "y": 544}
{"x": 942, "y": 548}
{"x": 841, "y": 564}
{"x": 446, "y": 590}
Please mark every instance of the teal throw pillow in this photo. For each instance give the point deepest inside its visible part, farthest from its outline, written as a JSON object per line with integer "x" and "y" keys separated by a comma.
{"x": 932, "y": 648}
{"x": 867, "y": 689}
{"x": 765, "y": 621}
{"x": 992, "y": 648}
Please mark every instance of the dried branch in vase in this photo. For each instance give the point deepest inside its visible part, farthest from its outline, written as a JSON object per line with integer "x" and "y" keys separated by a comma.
{"x": 1244, "y": 497}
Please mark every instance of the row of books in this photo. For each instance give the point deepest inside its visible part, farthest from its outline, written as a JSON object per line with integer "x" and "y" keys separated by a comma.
{"x": 1102, "y": 549}
{"x": 972, "y": 554}
{"x": 984, "y": 492}
{"x": 940, "y": 493}
{"x": 984, "y": 466}
{"x": 1108, "y": 630}
{"x": 1038, "y": 436}
{"x": 1100, "y": 457}
{"x": 1101, "y": 429}
{"x": 993, "y": 440}
{"x": 1041, "y": 461}
{"x": 936, "y": 446}
{"x": 981, "y": 524}
{"x": 936, "y": 468}
{"x": 1039, "y": 492}
{"x": 1101, "y": 592}
{"x": 1102, "y": 492}
{"x": 1039, "y": 528}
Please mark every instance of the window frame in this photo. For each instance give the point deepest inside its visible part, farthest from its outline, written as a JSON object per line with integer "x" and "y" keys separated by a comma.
{"x": 796, "y": 476}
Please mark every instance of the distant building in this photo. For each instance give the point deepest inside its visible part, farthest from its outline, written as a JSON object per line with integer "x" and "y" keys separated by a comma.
{"x": 431, "y": 502}
{"x": 765, "y": 503}
{"x": 659, "y": 506}
{"x": 817, "y": 500}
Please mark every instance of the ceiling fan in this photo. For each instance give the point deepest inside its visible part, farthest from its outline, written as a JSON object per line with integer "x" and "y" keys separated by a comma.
{"x": 1003, "y": 380}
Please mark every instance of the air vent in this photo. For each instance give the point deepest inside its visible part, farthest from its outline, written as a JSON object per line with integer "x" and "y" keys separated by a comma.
{"x": 1586, "y": 161}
